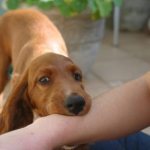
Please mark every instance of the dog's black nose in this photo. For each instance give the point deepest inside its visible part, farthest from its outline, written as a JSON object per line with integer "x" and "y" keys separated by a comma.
{"x": 75, "y": 103}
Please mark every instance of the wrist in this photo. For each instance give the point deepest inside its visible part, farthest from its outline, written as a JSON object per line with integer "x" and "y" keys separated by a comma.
{"x": 53, "y": 131}
{"x": 37, "y": 137}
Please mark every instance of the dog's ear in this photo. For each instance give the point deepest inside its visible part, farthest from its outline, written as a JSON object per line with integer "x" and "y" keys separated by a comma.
{"x": 17, "y": 111}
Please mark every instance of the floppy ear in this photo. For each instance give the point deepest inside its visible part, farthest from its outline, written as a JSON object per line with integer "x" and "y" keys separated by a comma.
{"x": 17, "y": 111}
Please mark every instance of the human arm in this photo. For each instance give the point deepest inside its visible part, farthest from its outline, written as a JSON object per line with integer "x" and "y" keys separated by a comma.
{"x": 121, "y": 111}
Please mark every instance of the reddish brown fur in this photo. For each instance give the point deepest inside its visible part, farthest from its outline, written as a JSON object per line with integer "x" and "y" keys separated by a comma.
{"x": 35, "y": 48}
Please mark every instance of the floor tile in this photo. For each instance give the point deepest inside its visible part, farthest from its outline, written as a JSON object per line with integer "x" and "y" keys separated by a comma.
{"x": 95, "y": 86}
{"x": 120, "y": 70}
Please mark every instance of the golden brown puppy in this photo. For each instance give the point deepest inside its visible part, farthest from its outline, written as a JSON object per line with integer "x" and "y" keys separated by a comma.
{"x": 44, "y": 80}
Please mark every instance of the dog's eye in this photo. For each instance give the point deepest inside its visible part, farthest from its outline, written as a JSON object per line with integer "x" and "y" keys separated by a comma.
{"x": 77, "y": 76}
{"x": 44, "y": 80}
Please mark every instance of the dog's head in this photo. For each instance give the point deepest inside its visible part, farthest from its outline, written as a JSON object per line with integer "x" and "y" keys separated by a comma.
{"x": 51, "y": 84}
{"x": 55, "y": 86}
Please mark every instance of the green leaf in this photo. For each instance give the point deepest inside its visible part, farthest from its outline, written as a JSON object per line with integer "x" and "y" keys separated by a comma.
{"x": 118, "y": 2}
{"x": 32, "y": 2}
{"x": 65, "y": 10}
{"x": 92, "y": 6}
{"x": 12, "y": 4}
{"x": 70, "y": 7}
{"x": 104, "y": 7}
{"x": 78, "y": 5}
{"x": 45, "y": 5}
{"x": 63, "y": 7}
{"x": 58, "y": 2}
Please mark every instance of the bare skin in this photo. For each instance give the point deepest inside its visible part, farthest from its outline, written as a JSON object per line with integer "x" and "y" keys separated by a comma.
{"x": 117, "y": 113}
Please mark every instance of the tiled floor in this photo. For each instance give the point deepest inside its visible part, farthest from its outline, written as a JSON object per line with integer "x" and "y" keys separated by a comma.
{"x": 114, "y": 66}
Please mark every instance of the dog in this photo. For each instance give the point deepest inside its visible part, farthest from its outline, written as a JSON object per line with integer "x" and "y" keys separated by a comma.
{"x": 45, "y": 80}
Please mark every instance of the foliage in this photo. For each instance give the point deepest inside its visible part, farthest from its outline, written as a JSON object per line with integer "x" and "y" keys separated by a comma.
{"x": 98, "y": 8}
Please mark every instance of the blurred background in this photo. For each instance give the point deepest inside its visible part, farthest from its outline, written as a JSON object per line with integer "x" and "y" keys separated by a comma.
{"x": 108, "y": 39}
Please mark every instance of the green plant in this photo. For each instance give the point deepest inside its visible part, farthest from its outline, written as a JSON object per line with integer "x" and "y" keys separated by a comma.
{"x": 98, "y": 8}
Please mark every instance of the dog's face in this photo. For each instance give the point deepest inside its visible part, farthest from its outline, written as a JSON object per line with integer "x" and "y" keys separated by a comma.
{"x": 55, "y": 86}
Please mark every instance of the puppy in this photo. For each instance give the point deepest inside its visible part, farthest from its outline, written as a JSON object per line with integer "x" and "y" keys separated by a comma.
{"x": 44, "y": 79}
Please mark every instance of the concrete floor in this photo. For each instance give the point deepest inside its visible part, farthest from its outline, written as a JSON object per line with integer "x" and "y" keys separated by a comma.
{"x": 115, "y": 66}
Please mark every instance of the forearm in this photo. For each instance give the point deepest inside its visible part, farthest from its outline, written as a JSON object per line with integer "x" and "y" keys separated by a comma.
{"x": 21, "y": 139}
{"x": 117, "y": 113}
{"x": 121, "y": 111}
